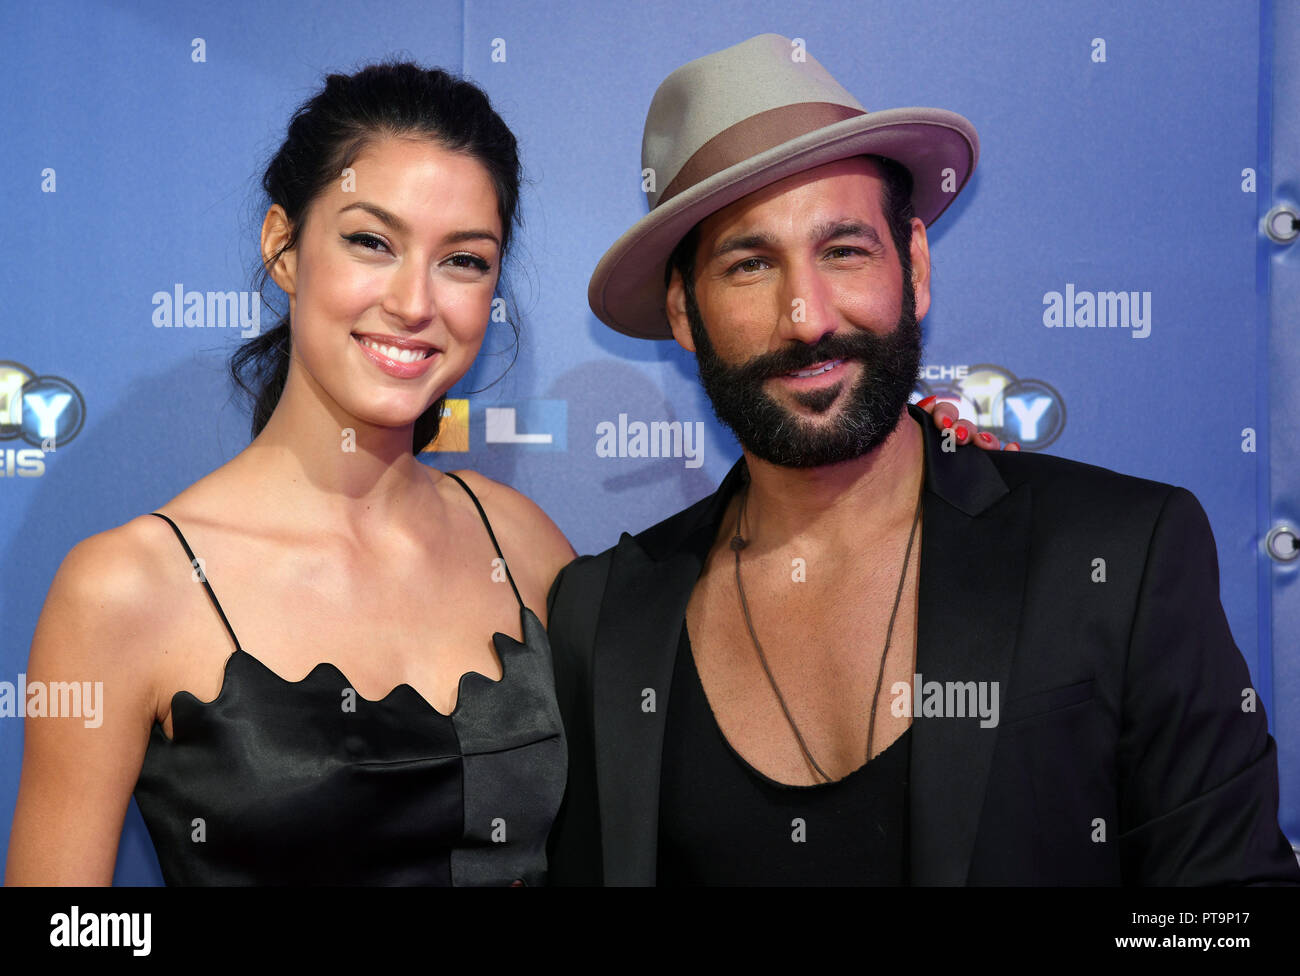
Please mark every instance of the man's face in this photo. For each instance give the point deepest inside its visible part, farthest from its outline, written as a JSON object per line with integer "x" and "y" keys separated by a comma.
{"x": 805, "y": 342}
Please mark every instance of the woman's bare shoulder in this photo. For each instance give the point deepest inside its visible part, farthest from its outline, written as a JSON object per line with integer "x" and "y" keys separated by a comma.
{"x": 124, "y": 579}
{"x": 522, "y": 528}
{"x": 116, "y": 575}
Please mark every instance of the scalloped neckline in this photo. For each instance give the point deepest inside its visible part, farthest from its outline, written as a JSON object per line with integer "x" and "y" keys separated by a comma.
{"x": 460, "y": 682}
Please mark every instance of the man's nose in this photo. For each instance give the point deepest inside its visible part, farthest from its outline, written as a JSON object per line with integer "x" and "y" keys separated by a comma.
{"x": 808, "y": 312}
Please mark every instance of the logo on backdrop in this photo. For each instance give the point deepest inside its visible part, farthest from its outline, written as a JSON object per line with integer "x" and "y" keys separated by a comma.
{"x": 453, "y": 432}
{"x": 541, "y": 425}
{"x": 1028, "y": 411}
{"x": 42, "y": 411}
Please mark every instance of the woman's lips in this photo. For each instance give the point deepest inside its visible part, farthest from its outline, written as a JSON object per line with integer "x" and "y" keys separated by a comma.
{"x": 392, "y": 366}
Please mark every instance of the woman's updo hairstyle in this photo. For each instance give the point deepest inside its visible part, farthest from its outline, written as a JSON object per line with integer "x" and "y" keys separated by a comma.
{"x": 326, "y": 134}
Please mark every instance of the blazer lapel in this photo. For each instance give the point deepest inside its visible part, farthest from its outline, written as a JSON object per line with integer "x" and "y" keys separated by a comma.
{"x": 650, "y": 583}
{"x": 974, "y": 552}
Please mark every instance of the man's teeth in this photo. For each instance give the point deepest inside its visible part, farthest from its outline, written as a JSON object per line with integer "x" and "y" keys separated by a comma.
{"x": 395, "y": 354}
{"x": 826, "y": 367}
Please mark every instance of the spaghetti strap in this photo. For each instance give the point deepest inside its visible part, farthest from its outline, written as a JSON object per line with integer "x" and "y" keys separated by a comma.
{"x": 491, "y": 535}
{"x": 202, "y": 576}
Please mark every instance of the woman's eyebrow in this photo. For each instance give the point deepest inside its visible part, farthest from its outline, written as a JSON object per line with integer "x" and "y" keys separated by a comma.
{"x": 379, "y": 213}
{"x": 458, "y": 236}
{"x": 397, "y": 224}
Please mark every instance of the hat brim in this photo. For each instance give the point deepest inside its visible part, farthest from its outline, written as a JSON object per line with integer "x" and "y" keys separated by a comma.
{"x": 627, "y": 289}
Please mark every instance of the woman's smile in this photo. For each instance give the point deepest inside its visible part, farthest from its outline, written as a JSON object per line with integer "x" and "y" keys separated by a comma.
{"x": 403, "y": 358}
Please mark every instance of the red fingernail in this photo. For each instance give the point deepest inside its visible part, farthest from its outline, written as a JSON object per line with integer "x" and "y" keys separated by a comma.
{"x": 947, "y": 422}
{"x": 926, "y": 402}
{"x": 961, "y": 434}
{"x": 986, "y": 438}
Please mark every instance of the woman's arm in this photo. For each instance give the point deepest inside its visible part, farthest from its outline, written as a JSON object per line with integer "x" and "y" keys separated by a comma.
{"x": 79, "y": 772}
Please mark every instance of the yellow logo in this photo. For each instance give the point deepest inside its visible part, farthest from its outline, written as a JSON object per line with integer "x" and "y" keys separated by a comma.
{"x": 453, "y": 435}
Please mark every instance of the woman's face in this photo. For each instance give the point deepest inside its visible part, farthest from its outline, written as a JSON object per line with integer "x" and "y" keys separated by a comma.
{"x": 391, "y": 282}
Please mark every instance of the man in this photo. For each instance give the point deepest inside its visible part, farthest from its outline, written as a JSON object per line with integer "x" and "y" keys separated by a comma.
{"x": 869, "y": 657}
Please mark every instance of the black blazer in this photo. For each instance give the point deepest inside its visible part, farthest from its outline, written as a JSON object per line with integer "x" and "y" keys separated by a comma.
{"x": 1123, "y": 753}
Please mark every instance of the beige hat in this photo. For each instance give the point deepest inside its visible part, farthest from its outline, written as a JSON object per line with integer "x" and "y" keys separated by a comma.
{"x": 730, "y": 123}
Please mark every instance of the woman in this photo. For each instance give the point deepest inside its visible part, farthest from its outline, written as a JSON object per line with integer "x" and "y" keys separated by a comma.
{"x": 393, "y": 717}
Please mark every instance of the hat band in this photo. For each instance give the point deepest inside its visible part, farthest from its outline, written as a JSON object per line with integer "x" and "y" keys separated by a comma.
{"x": 754, "y": 135}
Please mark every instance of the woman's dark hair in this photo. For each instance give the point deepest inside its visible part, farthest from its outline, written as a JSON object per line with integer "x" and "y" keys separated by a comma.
{"x": 326, "y": 134}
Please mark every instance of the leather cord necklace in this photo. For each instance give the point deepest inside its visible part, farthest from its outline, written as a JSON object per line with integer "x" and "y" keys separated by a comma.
{"x": 738, "y": 542}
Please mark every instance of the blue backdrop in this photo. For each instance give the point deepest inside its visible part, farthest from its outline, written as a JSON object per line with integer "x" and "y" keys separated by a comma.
{"x": 1126, "y": 148}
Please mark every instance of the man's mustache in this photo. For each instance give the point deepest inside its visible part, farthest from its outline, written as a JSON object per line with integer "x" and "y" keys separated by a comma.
{"x": 863, "y": 346}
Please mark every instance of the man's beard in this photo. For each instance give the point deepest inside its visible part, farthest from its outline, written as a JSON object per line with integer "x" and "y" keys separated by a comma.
{"x": 776, "y": 434}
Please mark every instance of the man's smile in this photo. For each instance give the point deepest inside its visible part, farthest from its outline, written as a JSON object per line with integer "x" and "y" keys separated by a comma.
{"x": 820, "y": 368}
{"x": 818, "y": 376}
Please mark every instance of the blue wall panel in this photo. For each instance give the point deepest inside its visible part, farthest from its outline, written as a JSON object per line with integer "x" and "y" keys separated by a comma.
{"x": 1122, "y": 174}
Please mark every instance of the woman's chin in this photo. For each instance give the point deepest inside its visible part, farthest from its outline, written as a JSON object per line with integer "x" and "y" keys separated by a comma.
{"x": 383, "y": 424}
{"x": 396, "y": 414}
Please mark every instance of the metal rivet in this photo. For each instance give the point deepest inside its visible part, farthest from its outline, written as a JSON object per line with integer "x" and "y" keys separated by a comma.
{"x": 1282, "y": 224}
{"x": 1283, "y": 544}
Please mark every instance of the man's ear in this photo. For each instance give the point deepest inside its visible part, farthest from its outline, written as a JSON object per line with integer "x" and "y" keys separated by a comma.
{"x": 920, "y": 268}
{"x": 675, "y": 306}
{"x": 276, "y": 232}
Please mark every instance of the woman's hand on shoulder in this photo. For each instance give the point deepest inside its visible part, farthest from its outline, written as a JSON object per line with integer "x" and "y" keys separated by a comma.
{"x": 534, "y": 547}
{"x": 945, "y": 415}
{"x": 91, "y": 654}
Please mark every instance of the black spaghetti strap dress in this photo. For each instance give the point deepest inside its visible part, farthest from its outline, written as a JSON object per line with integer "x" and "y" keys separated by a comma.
{"x": 306, "y": 782}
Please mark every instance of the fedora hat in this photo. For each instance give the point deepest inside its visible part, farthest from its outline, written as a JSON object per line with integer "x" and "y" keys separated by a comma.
{"x": 730, "y": 123}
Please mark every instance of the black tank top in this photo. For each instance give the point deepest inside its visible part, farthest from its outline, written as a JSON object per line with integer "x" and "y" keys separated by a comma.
{"x": 306, "y": 782}
{"x": 722, "y": 822}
